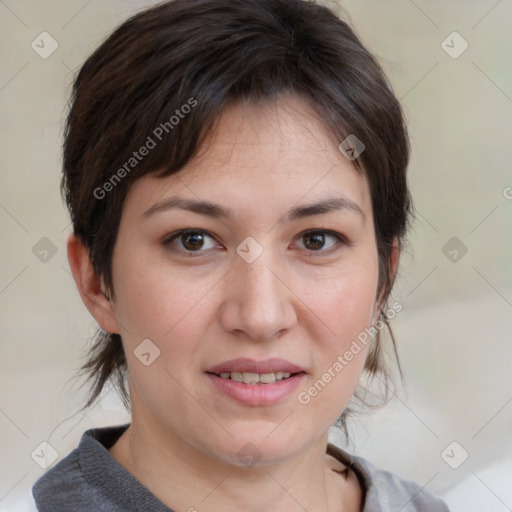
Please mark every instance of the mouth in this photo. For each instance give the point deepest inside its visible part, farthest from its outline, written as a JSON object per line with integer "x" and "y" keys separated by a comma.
{"x": 256, "y": 383}
{"x": 250, "y": 371}
{"x": 256, "y": 378}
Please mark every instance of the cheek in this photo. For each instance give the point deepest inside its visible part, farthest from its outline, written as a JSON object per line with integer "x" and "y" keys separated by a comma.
{"x": 350, "y": 310}
{"x": 173, "y": 311}
{"x": 159, "y": 302}
{"x": 345, "y": 309}
{"x": 345, "y": 301}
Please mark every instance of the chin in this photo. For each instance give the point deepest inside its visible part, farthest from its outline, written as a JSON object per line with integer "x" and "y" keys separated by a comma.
{"x": 258, "y": 447}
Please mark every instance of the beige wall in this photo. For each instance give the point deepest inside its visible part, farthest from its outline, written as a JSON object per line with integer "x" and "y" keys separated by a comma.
{"x": 455, "y": 330}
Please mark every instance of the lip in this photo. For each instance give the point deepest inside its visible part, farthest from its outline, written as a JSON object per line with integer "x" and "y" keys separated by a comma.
{"x": 256, "y": 395}
{"x": 271, "y": 365}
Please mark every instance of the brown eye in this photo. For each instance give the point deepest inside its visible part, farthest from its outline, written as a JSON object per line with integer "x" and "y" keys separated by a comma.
{"x": 191, "y": 241}
{"x": 316, "y": 240}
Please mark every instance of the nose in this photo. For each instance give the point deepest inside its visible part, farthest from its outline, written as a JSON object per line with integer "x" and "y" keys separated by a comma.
{"x": 258, "y": 302}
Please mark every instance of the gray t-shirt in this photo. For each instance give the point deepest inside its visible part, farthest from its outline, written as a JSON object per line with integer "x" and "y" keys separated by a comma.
{"x": 89, "y": 479}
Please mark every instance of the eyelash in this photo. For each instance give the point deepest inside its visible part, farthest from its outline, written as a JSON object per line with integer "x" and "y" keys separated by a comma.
{"x": 341, "y": 241}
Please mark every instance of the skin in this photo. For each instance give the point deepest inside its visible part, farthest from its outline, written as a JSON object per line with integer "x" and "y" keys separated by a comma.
{"x": 292, "y": 302}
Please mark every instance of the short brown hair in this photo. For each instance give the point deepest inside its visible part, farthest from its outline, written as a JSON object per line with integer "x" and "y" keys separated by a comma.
{"x": 208, "y": 54}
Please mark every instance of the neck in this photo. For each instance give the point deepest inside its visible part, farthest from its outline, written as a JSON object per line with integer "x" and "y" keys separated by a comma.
{"x": 186, "y": 479}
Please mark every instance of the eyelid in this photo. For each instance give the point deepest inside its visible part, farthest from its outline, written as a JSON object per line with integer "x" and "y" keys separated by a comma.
{"x": 168, "y": 239}
{"x": 326, "y": 231}
{"x": 341, "y": 239}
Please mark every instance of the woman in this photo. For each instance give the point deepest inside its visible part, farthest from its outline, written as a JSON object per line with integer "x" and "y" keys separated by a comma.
{"x": 235, "y": 172}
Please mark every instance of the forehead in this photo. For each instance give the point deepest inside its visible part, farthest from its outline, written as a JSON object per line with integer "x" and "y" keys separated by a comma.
{"x": 263, "y": 134}
{"x": 277, "y": 152}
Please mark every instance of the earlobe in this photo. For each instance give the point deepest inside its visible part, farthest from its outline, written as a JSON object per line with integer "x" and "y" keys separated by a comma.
{"x": 90, "y": 285}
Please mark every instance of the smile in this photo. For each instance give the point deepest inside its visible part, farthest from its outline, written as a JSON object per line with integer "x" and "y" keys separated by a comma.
{"x": 256, "y": 389}
{"x": 255, "y": 378}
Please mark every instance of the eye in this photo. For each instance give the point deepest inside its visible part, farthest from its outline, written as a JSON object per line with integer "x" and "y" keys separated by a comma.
{"x": 315, "y": 240}
{"x": 191, "y": 241}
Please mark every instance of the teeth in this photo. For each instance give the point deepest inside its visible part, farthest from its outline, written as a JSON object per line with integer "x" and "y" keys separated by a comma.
{"x": 250, "y": 378}
{"x": 267, "y": 378}
{"x": 255, "y": 378}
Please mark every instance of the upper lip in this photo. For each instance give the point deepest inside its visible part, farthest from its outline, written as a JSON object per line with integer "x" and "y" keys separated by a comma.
{"x": 244, "y": 365}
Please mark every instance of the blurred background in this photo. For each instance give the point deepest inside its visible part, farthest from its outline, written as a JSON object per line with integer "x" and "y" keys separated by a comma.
{"x": 449, "y": 63}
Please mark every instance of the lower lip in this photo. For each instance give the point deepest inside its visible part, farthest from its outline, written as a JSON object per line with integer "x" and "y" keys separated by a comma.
{"x": 257, "y": 394}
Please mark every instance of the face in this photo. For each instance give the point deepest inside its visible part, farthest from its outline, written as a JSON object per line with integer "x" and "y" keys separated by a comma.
{"x": 258, "y": 288}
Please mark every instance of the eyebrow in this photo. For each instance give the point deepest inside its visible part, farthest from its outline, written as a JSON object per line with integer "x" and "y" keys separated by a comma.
{"x": 220, "y": 212}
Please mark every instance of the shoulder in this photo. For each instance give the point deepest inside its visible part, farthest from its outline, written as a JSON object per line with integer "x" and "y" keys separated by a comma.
{"x": 85, "y": 479}
{"x": 57, "y": 486}
{"x": 384, "y": 491}
{"x": 60, "y": 483}
{"x": 397, "y": 493}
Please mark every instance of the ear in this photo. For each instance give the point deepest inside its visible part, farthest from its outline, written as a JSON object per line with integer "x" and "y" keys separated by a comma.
{"x": 393, "y": 269}
{"x": 90, "y": 285}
